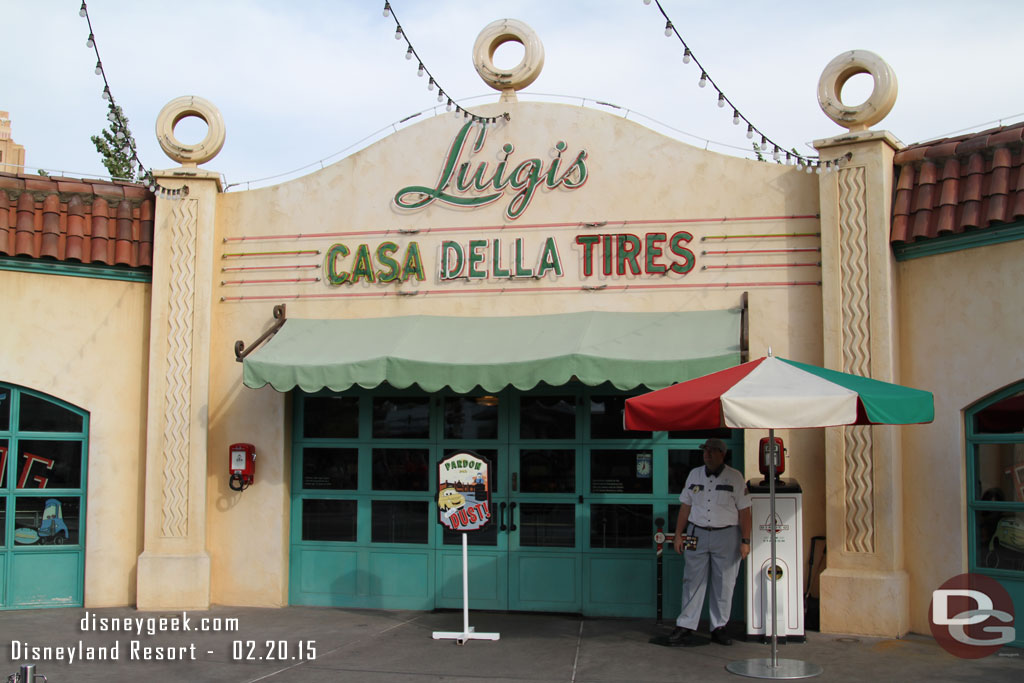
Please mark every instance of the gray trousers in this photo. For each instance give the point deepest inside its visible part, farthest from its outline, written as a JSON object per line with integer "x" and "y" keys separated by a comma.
{"x": 718, "y": 550}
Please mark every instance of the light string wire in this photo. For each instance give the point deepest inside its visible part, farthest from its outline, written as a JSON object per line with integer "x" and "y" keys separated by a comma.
{"x": 122, "y": 135}
{"x": 432, "y": 82}
{"x": 811, "y": 164}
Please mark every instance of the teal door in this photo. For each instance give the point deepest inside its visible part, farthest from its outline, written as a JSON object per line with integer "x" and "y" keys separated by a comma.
{"x": 43, "y": 449}
{"x": 574, "y": 502}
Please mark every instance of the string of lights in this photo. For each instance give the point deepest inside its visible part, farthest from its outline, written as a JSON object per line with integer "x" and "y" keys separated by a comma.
{"x": 122, "y": 135}
{"x": 442, "y": 95}
{"x": 810, "y": 164}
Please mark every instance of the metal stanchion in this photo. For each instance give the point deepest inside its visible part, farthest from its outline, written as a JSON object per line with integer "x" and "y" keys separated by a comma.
{"x": 27, "y": 674}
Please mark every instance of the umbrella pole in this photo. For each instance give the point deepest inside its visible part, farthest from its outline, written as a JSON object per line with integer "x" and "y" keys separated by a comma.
{"x": 772, "y": 569}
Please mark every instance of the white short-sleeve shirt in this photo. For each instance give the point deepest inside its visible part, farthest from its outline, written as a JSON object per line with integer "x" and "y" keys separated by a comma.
{"x": 715, "y": 500}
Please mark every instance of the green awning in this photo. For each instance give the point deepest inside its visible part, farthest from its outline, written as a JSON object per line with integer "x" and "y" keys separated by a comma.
{"x": 626, "y": 349}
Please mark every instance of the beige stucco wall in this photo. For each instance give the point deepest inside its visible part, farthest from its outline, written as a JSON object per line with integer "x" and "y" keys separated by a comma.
{"x": 957, "y": 313}
{"x": 635, "y": 175}
{"x": 85, "y": 341}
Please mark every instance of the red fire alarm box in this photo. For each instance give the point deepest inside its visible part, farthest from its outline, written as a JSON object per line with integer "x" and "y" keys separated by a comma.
{"x": 764, "y": 464}
{"x": 242, "y": 465}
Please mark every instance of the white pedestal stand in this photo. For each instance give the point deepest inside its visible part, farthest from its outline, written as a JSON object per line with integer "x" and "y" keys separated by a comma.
{"x": 468, "y": 632}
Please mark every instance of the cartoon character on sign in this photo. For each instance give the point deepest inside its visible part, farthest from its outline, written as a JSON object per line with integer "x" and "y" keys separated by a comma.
{"x": 463, "y": 493}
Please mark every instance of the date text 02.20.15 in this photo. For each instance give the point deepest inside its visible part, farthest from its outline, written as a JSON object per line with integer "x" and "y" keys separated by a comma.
{"x": 273, "y": 650}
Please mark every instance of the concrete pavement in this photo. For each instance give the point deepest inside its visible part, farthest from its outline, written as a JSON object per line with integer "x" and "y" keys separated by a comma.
{"x": 377, "y": 646}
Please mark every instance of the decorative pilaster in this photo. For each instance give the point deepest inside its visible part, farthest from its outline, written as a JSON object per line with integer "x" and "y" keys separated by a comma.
{"x": 864, "y": 589}
{"x": 174, "y": 568}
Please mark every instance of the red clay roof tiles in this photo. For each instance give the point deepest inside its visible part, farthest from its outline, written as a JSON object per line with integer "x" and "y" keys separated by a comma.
{"x": 954, "y": 185}
{"x": 81, "y": 221}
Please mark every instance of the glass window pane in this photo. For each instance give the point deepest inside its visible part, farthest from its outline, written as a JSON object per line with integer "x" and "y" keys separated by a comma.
{"x": 330, "y": 468}
{"x": 39, "y": 415}
{"x": 673, "y": 516}
{"x": 621, "y": 471}
{"x": 1000, "y": 472}
{"x": 5, "y": 409}
{"x": 547, "y": 471}
{"x": 547, "y": 417}
{"x": 330, "y": 417}
{"x": 3, "y": 464}
{"x": 3, "y": 523}
{"x": 46, "y": 521}
{"x": 1003, "y": 417}
{"x": 1000, "y": 538}
{"x": 492, "y": 456}
{"x": 401, "y": 418}
{"x": 401, "y": 469}
{"x": 399, "y": 521}
{"x": 680, "y": 462}
{"x": 606, "y": 414}
{"x": 49, "y": 464}
{"x": 621, "y": 526}
{"x": 328, "y": 520}
{"x": 471, "y": 418}
{"x": 546, "y": 525}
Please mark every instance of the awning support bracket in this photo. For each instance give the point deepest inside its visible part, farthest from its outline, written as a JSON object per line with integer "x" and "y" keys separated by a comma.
{"x": 240, "y": 349}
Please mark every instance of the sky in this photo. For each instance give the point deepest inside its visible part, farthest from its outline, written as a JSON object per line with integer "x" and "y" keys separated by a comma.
{"x": 305, "y": 83}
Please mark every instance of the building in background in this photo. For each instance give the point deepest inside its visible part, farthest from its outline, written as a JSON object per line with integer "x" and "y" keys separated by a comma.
{"x": 501, "y": 285}
{"x": 12, "y": 155}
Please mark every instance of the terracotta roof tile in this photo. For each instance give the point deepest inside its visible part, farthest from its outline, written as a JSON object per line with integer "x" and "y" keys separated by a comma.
{"x": 68, "y": 219}
{"x": 982, "y": 177}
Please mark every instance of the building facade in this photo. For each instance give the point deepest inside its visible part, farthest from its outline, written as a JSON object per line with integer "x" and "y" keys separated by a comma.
{"x": 501, "y": 285}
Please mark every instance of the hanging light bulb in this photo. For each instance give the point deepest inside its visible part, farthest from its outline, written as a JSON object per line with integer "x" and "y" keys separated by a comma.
{"x": 440, "y": 95}
{"x": 735, "y": 118}
{"x": 106, "y": 93}
{"x": 126, "y": 149}
{"x": 430, "y": 85}
{"x": 703, "y": 79}
{"x": 777, "y": 153}
{"x": 817, "y": 168}
{"x": 82, "y": 12}
{"x": 686, "y": 56}
{"x": 387, "y": 9}
{"x": 449, "y": 107}
{"x": 408, "y": 53}
{"x": 111, "y": 116}
{"x": 750, "y": 132}
{"x": 668, "y": 29}
{"x": 119, "y": 135}
{"x": 99, "y": 68}
{"x": 398, "y": 33}
{"x": 646, "y": 2}
{"x": 89, "y": 42}
{"x": 419, "y": 71}
{"x": 721, "y": 99}
{"x": 764, "y": 142}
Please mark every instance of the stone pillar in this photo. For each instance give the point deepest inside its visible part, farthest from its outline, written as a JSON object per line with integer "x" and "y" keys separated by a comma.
{"x": 864, "y": 588}
{"x": 174, "y": 567}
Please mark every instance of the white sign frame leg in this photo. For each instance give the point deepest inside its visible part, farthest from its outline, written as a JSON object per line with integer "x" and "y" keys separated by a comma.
{"x": 468, "y": 632}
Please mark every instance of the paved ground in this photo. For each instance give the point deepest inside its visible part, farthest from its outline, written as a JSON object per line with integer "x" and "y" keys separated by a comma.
{"x": 376, "y": 646}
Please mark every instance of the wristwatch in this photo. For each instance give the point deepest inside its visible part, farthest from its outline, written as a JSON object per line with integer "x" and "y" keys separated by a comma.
{"x": 745, "y": 541}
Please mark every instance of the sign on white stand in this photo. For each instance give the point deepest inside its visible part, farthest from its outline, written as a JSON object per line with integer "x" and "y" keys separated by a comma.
{"x": 464, "y": 505}
{"x": 468, "y": 632}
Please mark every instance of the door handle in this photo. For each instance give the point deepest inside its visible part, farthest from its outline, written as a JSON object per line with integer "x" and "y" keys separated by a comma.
{"x": 501, "y": 517}
{"x": 512, "y": 518}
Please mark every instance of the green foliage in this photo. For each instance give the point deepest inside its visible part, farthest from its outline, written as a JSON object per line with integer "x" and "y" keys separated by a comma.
{"x": 111, "y": 144}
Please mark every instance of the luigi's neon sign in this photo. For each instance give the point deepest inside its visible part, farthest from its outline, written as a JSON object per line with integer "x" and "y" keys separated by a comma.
{"x": 474, "y": 188}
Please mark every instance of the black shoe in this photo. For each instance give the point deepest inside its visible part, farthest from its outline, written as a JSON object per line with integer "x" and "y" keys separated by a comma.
{"x": 720, "y": 636}
{"x": 679, "y": 636}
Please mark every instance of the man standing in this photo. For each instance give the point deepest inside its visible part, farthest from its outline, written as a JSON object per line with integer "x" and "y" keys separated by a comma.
{"x": 715, "y": 509}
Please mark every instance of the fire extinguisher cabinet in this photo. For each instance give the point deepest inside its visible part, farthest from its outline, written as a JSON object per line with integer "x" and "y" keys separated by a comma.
{"x": 789, "y": 555}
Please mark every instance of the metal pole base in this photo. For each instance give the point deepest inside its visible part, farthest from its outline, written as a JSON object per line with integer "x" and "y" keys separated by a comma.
{"x": 783, "y": 669}
{"x": 461, "y": 637}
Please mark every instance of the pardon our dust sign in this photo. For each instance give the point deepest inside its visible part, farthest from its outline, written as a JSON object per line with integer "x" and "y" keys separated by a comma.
{"x": 464, "y": 491}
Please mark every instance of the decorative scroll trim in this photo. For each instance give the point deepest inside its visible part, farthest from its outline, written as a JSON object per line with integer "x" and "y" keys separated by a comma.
{"x": 856, "y": 355}
{"x": 178, "y": 385}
